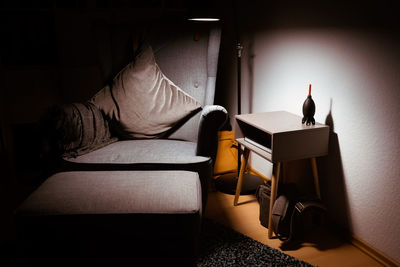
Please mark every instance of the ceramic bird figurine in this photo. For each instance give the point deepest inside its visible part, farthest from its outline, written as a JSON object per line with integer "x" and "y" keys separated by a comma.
{"x": 308, "y": 109}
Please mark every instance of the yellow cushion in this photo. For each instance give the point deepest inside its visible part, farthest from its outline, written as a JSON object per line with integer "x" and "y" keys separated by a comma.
{"x": 227, "y": 153}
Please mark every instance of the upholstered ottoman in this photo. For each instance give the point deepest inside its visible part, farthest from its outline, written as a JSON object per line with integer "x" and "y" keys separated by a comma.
{"x": 112, "y": 218}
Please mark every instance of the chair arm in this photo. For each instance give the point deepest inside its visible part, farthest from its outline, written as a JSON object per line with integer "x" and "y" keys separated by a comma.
{"x": 211, "y": 120}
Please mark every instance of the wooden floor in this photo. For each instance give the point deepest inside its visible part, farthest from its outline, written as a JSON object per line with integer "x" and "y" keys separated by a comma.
{"x": 325, "y": 249}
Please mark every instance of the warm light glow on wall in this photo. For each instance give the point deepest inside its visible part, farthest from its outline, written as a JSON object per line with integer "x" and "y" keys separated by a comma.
{"x": 358, "y": 72}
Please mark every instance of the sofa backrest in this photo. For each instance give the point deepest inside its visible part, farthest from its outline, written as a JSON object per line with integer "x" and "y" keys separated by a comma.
{"x": 187, "y": 54}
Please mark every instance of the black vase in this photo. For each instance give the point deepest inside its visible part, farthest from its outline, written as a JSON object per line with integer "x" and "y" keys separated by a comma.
{"x": 308, "y": 111}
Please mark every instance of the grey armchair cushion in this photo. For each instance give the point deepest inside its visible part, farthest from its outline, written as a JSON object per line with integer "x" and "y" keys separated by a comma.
{"x": 190, "y": 64}
{"x": 116, "y": 192}
{"x": 154, "y": 151}
{"x": 142, "y": 102}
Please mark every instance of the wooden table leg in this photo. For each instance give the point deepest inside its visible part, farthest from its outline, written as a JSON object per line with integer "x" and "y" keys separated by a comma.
{"x": 274, "y": 191}
{"x": 316, "y": 179}
{"x": 243, "y": 167}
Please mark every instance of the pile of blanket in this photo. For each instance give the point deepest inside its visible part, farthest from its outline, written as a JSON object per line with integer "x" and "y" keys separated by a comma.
{"x": 74, "y": 129}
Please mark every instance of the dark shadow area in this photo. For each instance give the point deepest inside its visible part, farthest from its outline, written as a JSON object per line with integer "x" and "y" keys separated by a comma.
{"x": 227, "y": 183}
{"x": 11, "y": 196}
{"x": 22, "y": 174}
{"x": 333, "y": 193}
{"x": 334, "y": 196}
{"x": 250, "y": 69}
{"x": 26, "y": 150}
{"x": 320, "y": 238}
{"x": 332, "y": 183}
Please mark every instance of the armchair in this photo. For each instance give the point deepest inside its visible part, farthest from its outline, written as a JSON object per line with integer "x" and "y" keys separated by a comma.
{"x": 191, "y": 63}
{"x": 153, "y": 190}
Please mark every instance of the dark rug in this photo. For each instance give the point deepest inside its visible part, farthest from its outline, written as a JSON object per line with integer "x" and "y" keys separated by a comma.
{"x": 222, "y": 246}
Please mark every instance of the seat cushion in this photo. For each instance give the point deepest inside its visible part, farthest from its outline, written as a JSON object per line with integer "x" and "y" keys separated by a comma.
{"x": 116, "y": 192}
{"x": 155, "y": 151}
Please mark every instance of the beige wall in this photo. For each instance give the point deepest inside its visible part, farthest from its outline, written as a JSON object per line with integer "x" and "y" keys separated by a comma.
{"x": 353, "y": 65}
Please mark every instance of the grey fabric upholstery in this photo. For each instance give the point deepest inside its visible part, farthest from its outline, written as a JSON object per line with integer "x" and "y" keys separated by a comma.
{"x": 191, "y": 65}
{"x": 214, "y": 38}
{"x": 155, "y": 154}
{"x": 192, "y": 145}
{"x": 143, "y": 151}
{"x": 212, "y": 118}
{"x": 111, "y": 218}
{"x": 116, "y": 192}
{"x": 77, "y": 128}
{"x": 212, "y": 63}
{"x": 141, "y": 102}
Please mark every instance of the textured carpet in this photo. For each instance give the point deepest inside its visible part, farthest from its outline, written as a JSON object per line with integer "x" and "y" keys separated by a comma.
{"x": 222, "y": 246}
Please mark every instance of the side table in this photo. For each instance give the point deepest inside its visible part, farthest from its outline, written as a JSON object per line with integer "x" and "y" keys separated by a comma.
{"x": 279, "y": 137}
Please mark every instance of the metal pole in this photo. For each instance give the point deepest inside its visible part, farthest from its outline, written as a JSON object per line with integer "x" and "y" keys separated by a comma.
{"x": 239, "y": 48}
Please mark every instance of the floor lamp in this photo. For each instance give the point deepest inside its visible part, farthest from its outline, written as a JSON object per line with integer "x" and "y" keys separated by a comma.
{"x": 227, "y": 183}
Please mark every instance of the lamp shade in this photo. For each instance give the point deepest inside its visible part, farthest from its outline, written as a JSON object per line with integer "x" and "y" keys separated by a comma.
{"x": 205, "y": 12}
{"x": 205, "y": 19}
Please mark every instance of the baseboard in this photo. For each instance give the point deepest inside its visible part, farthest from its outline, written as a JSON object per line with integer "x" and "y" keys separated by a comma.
{"x": 376, "y": 254}
{"x": 344, "y": 234}
{"x": 362, "y": 245}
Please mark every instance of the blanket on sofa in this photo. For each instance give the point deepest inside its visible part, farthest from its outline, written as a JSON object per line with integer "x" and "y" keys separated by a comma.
{"x": 76, "y": 129}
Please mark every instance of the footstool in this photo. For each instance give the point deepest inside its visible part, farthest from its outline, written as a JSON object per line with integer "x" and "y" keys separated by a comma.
{"x": 111, "y": 218}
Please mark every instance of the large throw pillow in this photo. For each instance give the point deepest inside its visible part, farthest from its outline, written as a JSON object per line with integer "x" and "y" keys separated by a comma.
{"x": 142, "y": 102}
